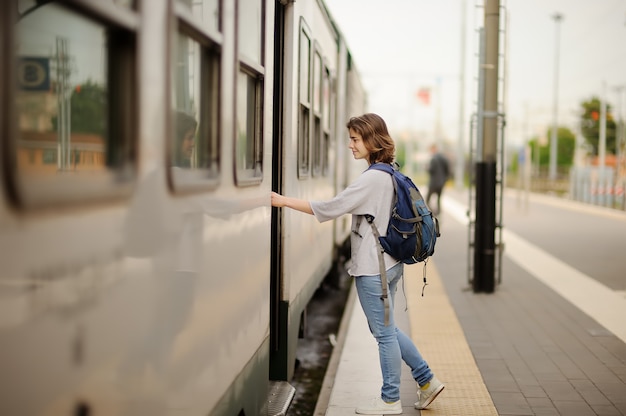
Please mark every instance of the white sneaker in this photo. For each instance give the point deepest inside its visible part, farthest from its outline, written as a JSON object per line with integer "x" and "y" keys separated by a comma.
{"x": 378, "y": 406}
{"x": 427, "y": 395}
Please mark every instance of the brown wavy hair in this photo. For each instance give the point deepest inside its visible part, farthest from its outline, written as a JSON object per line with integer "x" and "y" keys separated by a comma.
{"x": 376, "y": 138}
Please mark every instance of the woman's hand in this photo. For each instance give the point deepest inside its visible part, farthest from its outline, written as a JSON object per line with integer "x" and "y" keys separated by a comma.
{"x": 301, "y": 205}
{"x": 278, "y": 200}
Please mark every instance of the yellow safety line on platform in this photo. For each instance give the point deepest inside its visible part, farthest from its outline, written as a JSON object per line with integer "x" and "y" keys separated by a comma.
{"x": 438, "y": 334}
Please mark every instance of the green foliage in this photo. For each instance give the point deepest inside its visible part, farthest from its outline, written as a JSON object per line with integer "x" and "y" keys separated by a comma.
{"x": 89, "y": 109}
{"x": 590, "y": 125}
{"x": 400, "y": 153}
{"x": 565, "y": 148}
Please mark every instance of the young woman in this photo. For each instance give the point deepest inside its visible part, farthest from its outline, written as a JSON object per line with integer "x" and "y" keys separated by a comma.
{"x": 372, "y": 193}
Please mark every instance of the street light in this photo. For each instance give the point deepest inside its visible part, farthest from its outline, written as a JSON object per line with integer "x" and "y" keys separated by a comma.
{"x": 620, "y": 136}
{"x": 553, "y": 134}
{"x": 620, "y": 145}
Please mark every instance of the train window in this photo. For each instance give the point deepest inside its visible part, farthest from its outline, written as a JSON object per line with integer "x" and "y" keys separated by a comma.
{"x": 194, "y": 140}
{"x": 250, "y": 39}
{"x": 327, "y": 111}
{"x": 249, "y": 96}
{"x": 74, "y": 101}
{"x": 304, "y": 114}
{"x": 317, "y": 86}
{"x": 248, "y": 144}
{"x": 194, "y": 144}
{"x": 206, "y": 13}
{"x": 317, "y": 114}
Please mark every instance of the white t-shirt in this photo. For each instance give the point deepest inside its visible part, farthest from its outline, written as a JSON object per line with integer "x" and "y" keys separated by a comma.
{"x": 371, "y": 193}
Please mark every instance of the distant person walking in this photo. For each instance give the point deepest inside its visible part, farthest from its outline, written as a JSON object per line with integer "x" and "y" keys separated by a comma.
{"x": 439, "y": 172}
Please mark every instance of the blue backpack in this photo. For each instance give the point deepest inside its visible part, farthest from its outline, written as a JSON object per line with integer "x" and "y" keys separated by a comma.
{"x": 413, "y": 230}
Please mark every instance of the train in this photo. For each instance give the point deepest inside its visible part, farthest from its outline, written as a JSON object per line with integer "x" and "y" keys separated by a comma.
{"x": 143, "y": 269}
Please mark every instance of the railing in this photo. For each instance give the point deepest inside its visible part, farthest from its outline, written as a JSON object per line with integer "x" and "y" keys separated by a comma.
{"x": 586, "y": 184}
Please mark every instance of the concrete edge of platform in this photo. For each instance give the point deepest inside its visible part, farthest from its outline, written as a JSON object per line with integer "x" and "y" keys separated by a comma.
{"x": 331, "y": 370}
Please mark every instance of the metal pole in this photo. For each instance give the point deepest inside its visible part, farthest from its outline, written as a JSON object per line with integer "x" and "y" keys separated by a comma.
{"x": 619, "y": 140}
{"x": 62, "y": 136}
{"x": 555, "y": 109}
{"x": 460, "y": 157}
{"x": 492, "y": 35}
{"x": 602, "y": 188}
{"x": 484, "y": 254}
{"x": 619, "y": 137}
{"x": 481, "y": 95}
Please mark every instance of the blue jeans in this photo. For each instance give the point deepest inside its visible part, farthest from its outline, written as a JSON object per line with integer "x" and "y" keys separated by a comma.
{"x": 393, "y": 345}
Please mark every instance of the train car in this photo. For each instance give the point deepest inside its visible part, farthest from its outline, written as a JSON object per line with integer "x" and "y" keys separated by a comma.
{"x": 354, "y": 103}
{"x": 143, "y": 270}
{"x": 320, "y": 87}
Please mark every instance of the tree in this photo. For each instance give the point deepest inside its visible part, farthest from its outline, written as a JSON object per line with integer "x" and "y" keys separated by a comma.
{"x": 590, "y": 125}
{"x": 88, "y": 107}
{"x": 566, "y": 146}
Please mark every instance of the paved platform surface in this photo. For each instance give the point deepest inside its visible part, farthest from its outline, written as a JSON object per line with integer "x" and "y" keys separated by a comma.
{"x": 529, "y": 348}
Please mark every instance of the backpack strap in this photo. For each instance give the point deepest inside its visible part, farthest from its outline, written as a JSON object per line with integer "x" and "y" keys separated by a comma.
{"x": 381, "y": 266}
{"x": 385, "y": 167}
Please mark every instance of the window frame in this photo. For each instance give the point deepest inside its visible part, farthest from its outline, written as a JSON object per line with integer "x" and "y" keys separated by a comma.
{"x": 328, "y": 110}
{"x": 121, "y": 26}
{"x": 305, "y": 104}
{"x": 317, "y": 139}
{"x": 210, "y": 42}
{"x": 256, "y": 72}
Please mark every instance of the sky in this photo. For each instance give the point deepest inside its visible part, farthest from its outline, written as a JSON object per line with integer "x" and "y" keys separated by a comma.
{"x": 403, "y": 46}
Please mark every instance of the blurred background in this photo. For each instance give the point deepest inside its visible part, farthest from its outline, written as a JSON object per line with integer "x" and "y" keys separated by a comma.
{"x": 561, "y": 60}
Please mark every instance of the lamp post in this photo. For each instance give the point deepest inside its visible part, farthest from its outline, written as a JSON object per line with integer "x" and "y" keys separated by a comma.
{"x": 620, "y": 136}
{"x": 621, "y": 143}
{"x": 460, "y": 155}
{"x": 553, "y": 133}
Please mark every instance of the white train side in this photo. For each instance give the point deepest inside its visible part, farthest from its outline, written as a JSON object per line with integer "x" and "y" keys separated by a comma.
{"x": 143, "y": 270}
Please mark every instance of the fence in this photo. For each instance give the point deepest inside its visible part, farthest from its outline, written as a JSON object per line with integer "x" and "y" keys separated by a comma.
{"x": 597, "y": 186}
{"x": 588, "y": 184}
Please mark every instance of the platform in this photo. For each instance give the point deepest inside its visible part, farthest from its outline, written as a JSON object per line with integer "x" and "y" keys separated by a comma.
{"x": 532, "y": 347}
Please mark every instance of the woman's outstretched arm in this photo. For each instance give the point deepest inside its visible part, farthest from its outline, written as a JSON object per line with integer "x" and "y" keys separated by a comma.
{"x": 301, "y": 205}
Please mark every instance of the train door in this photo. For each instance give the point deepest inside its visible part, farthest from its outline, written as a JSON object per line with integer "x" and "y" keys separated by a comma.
{"x": 276, "y": 372}
{"x": 305, "y": 53}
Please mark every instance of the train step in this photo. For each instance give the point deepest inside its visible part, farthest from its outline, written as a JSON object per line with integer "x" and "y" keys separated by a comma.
{"x": 279, "y": 398}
